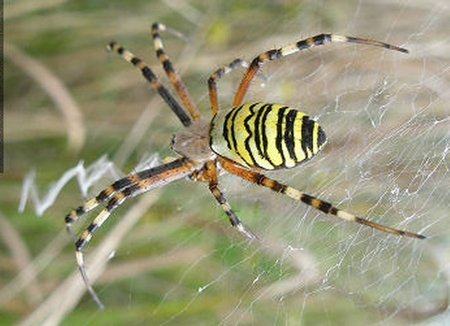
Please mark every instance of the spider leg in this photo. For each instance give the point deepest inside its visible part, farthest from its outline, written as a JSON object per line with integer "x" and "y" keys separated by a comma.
{"x": 274, "y": 54}
{"x": 319, "y": 204}
{"x": 104, "y": 195}
{"x": 130, "y": 186}
{"x": 210, "y": 175}
{"x": 154, "y": 82}
{"x": 173, "y": 75}
{"x": 215, "y": 76}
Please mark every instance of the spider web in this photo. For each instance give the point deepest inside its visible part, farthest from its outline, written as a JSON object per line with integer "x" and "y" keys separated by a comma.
{"x": 387, "y": 119}
{"x": 387, "y": 160}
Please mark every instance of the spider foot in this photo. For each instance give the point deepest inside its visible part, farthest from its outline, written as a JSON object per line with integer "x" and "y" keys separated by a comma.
{"x": 245, "y": 231}
{"x": 90, "y": 289}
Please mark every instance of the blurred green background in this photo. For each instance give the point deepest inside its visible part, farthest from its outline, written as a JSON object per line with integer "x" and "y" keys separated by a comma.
{"x": 386, "y": 115}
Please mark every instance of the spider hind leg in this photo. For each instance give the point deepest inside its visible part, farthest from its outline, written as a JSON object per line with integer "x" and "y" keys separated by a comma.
{"x": 301, "y": 45}
{"x": 319, "y": 204}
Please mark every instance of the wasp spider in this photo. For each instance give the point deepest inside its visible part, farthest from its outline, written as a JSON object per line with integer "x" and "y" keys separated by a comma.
{"x": 244, "y": 140}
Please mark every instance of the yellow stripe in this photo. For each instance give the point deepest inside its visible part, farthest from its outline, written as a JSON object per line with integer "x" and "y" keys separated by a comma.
{"x": 271, "y": 134}
{"x": 298, "y": 142}
{"x": 242, "y": 134}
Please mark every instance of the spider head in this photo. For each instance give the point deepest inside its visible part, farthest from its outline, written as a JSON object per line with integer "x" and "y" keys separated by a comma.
{"x": 193, "y": 142}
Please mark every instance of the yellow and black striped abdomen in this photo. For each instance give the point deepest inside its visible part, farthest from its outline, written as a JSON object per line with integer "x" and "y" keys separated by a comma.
{"x": 266, "y": 136}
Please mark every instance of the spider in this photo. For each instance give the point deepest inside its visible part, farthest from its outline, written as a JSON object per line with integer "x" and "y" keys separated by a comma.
{"x": 245, "y": 140}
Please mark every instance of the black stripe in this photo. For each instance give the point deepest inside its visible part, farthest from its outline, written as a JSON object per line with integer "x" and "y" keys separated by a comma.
{"x": 307, "y": 132}
{"x": 265, "y": 143}
{"x": 149, "y": 75}
{"x": 92, "y": 227}
{"x": 155, "y": 28}
{"x": 307, "y": 199}
{"x": 167, "y": 65}
{"x": 134, "y": 60}
{"x": 258, "y": 140}
{"x": 289, "y": 133}
{"x": 321, "y": 137}
{"x": 118, "y": 185}
{"x": 225, "y": 131}
{"x": 278, "y": 187}
{"x": 80, "y": 244}
{"x": 279, "y": 138}
{"x": 262, "y": 180}
{"x": 80, "y": 211}
{"x": 250, "y": 134}
{"x": 316, "y": 40}
{"x": 155, "y": 33}
{"x": 302, "y": 45}
{"x": 273, "y": 54}
{"x": 114, "y": 202}
{"x": 229, "y": 134}
{"x": 69, "y": 219}
{"x": 104, "y": 194}
{"x": 232, "y": 132}
{"x": 132, "y": 190}
{"x": 320, "y": 39}
{"x": 325, "y": 207}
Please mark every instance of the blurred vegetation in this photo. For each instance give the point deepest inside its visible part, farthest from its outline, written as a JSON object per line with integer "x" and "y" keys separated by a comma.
{"x": 243, "y": 283}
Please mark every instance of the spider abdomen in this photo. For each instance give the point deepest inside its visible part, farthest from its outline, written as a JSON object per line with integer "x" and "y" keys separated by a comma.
{"x": 265, "y": 136}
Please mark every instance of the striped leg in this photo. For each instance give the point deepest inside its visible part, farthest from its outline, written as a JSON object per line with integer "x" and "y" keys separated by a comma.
{"x": 170, "y": 70}
{"x": 211, "y": 176}
{"x": 296, "y": 47}
{"x": 323, "y": 206}
{"x": 119, "y": 191}
{"x": 215, "y": 76}
{"x": 154, "y": 82}
{"x": 212, "y": 81}
{"x": 105, "y": 194}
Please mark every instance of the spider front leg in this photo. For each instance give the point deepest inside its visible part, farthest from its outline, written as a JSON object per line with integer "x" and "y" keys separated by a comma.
{"x": 87, "y": 234}
{"x": 173, "y": 75}
{"x": 274, "y": 54}
{"x": 104, "y": 195}
{"x": 118, "y": 192}
{"x": 154, "y": 81}
{"x": 319, "y": 204}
